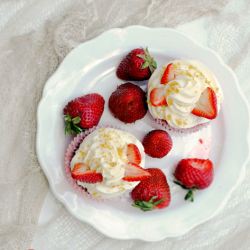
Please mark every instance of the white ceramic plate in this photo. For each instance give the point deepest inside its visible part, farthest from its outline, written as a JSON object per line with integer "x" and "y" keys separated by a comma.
{"x": 91, "y": 68}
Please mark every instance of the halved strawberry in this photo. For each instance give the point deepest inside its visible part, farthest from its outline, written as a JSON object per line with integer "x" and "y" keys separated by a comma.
{"x": 133, "y": 154}
{"x": 80, "y": 172}
{"x": 157, "y": 97}
{"x": 168, "y": 74}
{"x": 133, "y": 172}
{"x": 207, "y": 105}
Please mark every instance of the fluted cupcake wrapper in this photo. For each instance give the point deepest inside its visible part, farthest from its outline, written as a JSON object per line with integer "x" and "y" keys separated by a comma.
{"x": 70, "y": 152}
{"x": 182, "y": 131}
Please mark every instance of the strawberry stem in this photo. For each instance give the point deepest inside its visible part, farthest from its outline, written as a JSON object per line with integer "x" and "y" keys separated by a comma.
{"x": 71, "y": 125}
{"x": 147, "y": 205}
{"x": 178, "y": 183}
{"x": 189, "y": 195}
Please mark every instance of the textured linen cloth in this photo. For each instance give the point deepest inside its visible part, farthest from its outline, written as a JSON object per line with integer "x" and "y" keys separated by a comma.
{"x": 35, "y": 36}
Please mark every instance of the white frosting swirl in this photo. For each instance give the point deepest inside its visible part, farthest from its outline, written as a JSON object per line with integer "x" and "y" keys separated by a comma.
{"x": 182, "y": 93}
{"x": 105, "y": 151}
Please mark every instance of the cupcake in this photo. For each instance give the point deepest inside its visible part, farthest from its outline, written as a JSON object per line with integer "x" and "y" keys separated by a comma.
{"x": 106, "y": 162}
{"x": 183, "y": 95}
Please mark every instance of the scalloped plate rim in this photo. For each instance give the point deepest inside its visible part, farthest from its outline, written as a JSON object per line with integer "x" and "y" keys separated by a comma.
{"x": 127, "y": 29}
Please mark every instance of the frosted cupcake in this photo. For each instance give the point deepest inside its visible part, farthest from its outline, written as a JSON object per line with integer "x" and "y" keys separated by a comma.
{"x": 183, "y": 95}
{"x": 106, "y": 162}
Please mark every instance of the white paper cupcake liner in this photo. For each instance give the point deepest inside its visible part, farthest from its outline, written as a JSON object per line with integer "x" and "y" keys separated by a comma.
{"x": 164, "y": 125}
{"x": 70, "y": 152}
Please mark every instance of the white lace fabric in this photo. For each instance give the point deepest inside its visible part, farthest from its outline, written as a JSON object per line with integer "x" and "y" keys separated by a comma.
{"x": 35, "y": 36}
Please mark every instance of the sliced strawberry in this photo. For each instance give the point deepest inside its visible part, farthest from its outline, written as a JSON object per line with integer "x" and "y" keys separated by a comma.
{"x": 133, "y": 172}
{"x": 157, "y": 97}
{"x": 79, "y": 168}
{"x": 133, "y": 154}
{"x": 207, "y": 105}
{"x": 168, "y": 74}
{"x": 80, "y": 173}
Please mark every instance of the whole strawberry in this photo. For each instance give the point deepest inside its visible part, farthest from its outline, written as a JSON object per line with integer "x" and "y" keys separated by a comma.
{"x": 128, "y": 103}
{"x": 157, "y": 143}
{"x": 152, "y": 192}
{"x": 138, "y": 65}
{"x": 83, "y": 112}
{"x": 193, "y": 173}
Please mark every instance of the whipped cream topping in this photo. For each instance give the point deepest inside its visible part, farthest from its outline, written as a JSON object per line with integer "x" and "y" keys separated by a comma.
{"x": 182, "y": 93}
{"x": 105, "y": 151}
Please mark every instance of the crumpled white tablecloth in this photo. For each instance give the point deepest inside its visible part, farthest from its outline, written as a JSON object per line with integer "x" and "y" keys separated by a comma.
{"x": 35, "y": 36}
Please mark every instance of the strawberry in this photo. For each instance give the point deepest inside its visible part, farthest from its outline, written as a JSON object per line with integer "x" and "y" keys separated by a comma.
{"x": 168, "y": 74}
{"x": 83, "y": 112}
{"x": 157, "y": 97}
{"x": 128, "y": 103}
{"x": 152, "y": 192}
{"x": 207, "y": 105}
{"x": 80, "y": 172}
{"x": 157, "y": 143}
{"x": 193, "y": 173}
{"x": 133, "y": 154}
{"x": 137, "y": 65}
{"x": 122, "y": 69}
{"x": 134, "y": 172}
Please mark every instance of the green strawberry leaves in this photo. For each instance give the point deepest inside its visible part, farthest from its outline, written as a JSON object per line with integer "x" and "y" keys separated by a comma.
{"x": 149, "y": 61}
{"x": 147, "y": 205}
{"x": 190, "y": 193}
{"x": 71, "y": 125}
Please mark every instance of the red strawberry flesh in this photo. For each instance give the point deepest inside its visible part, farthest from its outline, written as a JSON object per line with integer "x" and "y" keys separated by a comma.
{"x": 133, "y": 154}
{"x": 168, "y": 74}
{"x": 157, "y": 97}
{"x": 81, "y": 173}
